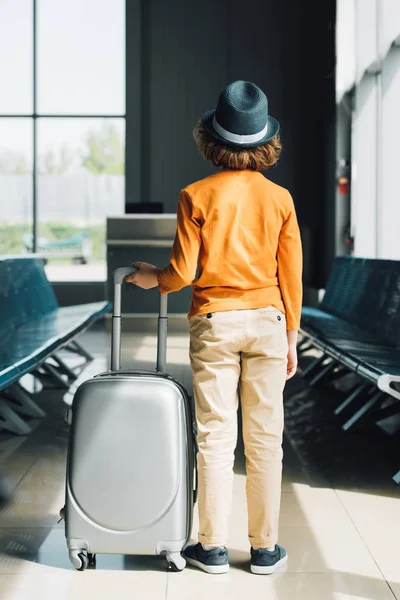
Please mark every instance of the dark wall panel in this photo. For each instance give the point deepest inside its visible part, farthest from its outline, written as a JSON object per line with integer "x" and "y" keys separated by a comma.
{"x": 259, "y": 53}
{"x": 134, "y": 120}
{"x": 189, "y": 51}
{"x": 188, "y": 69}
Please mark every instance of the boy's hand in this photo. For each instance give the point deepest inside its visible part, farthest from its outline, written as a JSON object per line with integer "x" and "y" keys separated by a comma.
{"x": 292, "y": 361}
{"x": 147, "y": 276}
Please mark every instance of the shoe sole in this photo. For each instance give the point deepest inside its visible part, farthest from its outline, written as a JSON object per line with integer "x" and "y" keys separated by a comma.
{"x": 211, "y": 569}
{"x": 268, "y": 570}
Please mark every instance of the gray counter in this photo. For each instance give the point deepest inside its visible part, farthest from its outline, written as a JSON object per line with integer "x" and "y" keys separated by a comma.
{"x": 146, "y": 238}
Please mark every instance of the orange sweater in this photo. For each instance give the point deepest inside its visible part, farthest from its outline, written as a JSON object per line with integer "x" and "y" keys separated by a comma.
{"x": 238, "y": 245}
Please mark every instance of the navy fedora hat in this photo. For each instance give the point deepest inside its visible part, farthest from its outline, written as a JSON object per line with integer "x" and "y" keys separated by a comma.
{"x": 241, "y": 119}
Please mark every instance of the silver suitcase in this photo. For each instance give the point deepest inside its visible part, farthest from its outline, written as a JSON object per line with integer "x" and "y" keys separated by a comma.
{"x": 131, "y": 459}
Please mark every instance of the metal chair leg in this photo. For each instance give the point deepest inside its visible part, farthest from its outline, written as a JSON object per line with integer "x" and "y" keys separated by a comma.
{"x": 78, "y": 349}
{"x": 55, "y": 376}
{"x": 25, "y": 405}
{"x": 377, "y": 397}
{"x": 64, "y": 368}
{"x": 315, "y": 363}
{"x": 322, "y": 374}
{"x": 356, "y": 393}
{"x": 11, "y": 421}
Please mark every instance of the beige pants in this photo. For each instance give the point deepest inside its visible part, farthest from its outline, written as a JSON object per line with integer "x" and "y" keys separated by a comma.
{"x": 246, "y": 350}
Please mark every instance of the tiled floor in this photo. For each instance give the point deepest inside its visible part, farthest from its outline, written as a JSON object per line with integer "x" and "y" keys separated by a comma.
{"x": 342, "y": 540}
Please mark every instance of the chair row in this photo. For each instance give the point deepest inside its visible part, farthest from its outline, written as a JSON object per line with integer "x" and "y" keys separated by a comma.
{"x": 33, "y": 330}
{"x": 356, "y": 328}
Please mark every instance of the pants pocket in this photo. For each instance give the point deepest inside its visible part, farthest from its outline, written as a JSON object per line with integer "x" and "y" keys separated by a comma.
{"x": 274, "y": 313}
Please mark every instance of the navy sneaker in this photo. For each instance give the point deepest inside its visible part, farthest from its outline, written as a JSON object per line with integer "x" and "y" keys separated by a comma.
{"x": 265, "y": 562}
{"x": 213, "y": 561}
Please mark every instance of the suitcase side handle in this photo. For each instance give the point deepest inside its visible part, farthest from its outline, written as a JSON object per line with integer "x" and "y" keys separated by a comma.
{"x": 118, "y": 278}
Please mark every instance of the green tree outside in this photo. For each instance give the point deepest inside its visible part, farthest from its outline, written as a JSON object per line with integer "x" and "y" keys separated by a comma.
{"x": 22, "y": 166}
{"x": 105, "y": 152}
{"x": 56, "y": 165}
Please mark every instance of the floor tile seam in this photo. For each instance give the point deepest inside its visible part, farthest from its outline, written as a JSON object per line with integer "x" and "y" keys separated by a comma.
{"x": 24, "y": 475}
{"x": 360, "y": 535}
{"x": 391, "y": 589}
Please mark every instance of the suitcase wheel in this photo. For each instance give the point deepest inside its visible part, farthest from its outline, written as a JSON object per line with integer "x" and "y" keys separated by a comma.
{"x": 176, "y": 561}
{"x": 79, "y": 560}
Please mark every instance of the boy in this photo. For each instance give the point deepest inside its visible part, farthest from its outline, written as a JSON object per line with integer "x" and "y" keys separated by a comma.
{"x": 238, "y": 231}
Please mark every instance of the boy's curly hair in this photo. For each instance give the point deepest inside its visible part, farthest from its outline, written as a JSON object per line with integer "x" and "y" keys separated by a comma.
{"x": 260, "y": 158}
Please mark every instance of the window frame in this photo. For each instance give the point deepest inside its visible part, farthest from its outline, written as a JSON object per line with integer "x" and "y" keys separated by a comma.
{"x": 35, "y": 115}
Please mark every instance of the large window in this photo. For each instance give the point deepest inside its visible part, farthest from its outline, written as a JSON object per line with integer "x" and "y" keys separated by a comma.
{"x": 62, "y": 130}
{"x": 16, "y": 150}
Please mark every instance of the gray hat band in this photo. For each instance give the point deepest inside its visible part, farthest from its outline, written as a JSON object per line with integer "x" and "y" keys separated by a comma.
{"x": 239, "y": 139}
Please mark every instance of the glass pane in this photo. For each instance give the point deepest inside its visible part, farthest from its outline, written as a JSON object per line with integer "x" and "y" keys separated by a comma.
{"x": 81, "y": 56}
{"x": 16, "y": 66}
{"x": 15, "y": 185}
{"x": 81, "y": 180}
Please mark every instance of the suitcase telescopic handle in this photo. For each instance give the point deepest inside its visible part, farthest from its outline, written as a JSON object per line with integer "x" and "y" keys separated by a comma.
{"x": 118, "y": 278}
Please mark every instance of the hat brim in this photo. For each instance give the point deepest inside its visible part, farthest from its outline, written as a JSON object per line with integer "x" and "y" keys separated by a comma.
{"x": 207, "y": 121}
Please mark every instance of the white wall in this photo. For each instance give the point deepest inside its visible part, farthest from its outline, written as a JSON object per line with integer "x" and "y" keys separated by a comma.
{"x": 389, "y": 193}
{"x": 364, "y": 175}
{"x": 375, "y": 145}
{"x": 366, "y": 35}
{"x": 389, "y": 18}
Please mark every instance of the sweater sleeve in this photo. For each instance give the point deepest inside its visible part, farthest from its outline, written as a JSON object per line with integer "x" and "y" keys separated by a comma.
{"x": 290, "y": 267}
{"x": 182, "y": 268}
